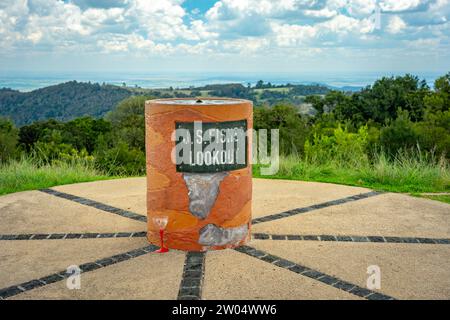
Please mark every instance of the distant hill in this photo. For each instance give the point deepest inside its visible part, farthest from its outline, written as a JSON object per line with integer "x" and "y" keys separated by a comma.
{"x": 63, "y": 102}
{"x": 347, "y": 88}
{"x": 73, "y": 99}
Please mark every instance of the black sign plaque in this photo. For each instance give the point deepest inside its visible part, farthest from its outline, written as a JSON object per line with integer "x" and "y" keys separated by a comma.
{"x": 208, "y": 147}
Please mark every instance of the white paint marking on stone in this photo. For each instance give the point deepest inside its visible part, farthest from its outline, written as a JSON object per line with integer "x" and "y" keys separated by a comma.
{"x": 203, "y": 190}
{"x": 212, "y": 235}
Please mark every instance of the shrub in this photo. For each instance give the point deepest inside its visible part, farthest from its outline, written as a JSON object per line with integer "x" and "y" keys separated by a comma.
{"x": 128, "y": 121}
{"x": 434, "y": 132}
{"x": 293, "y": 127}
{"x": 8, "y": 139}
{"x": 121, "y": 160}
{"x": 399, "y": 134}
{"x": 343, "y": 147}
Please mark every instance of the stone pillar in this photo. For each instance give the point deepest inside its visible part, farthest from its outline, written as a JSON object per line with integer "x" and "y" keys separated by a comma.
{"x": 207, "y": 194}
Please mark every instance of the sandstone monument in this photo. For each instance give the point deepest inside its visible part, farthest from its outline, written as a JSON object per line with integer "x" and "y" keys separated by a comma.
{"x": 199, "y": 172}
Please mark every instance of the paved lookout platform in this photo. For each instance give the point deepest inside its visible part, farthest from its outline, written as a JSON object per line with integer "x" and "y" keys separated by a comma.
{"x": 310, "y": 241}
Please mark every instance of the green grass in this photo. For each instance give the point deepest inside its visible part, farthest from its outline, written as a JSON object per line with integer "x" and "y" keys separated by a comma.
{"x": 404, "y": 174}
{"x": 26, "y": 174}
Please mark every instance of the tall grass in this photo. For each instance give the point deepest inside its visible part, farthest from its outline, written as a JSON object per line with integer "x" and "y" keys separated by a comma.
{"x": 29, "y": 173}
{"x": 410, "y": 171}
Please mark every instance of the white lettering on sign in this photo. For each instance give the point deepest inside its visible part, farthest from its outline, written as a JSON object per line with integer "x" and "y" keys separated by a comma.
{"x": 210, "y": 146}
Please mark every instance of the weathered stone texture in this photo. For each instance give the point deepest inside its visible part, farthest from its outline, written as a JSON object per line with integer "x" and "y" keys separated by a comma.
{"x": 212, "y": 235}
{"x": 203, "y": 190}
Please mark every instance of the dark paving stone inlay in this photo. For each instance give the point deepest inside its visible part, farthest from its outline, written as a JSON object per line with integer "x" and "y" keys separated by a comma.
{"x": 311, "y": 238}
{"x": 97, "y": 205}
{"x": 293, "y": 212}
{"x": 375, "y": 239}
{"x": 192, "y": 279}
{"x": 59, "y": 236}
{"x": 278, "y": 237}
{"x": 261, "y": 236}
{"x": 317, "y": 275}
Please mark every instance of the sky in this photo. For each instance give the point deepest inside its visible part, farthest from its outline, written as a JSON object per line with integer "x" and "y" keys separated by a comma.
{"x": 225, "y": 35}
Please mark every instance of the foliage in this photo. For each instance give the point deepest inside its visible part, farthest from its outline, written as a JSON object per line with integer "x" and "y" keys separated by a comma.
{"x": 115, "y": 145}
{"x": 8, "y": 139}
{"x": 81, "y": 133}
{"x": 121, "y": 159}
{"x": 381, "y": 101}
{"x": 128, "y": 122}
{"x": 234, "y": 90}
{"x": 344, "y": 147}
{"x": 434, "y": 132}
{"x": 293, "y": 127}
{"x": 439, "y": 101}
{"x": 399, "y": 134}
{"x": 312, "y": 89}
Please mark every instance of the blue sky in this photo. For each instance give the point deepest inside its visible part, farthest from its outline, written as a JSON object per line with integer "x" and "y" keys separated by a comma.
{"x": 225, "y": 35}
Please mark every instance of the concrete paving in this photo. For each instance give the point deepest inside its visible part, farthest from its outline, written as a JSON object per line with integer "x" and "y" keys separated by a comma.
{"x": 386, "y": 215}
{"x": 37, "y": 212}
{"x": 252, "y": 279}
{"x": 119, "y": 264}
{"x": 145, "y": 277}
{"x": 127, "y": 194}
{"x": 26, "y": 260}
{"x": 407, "y": 271}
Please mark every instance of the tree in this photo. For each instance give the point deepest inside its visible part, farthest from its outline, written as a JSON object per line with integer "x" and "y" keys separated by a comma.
{"x": 317, "y": 103}
{"x": 387, "y": 95}
{"x": 128, "y": 121}
{"x": 120, "y": 159}
{"x": 82, "y": 133}
{"x": 434, "y": 133}
{"x": 293, "y": 127}
{"x": 8, "y": 139}
{"x": 30, "y": 134}
{"x": 259, "y": 84}
{"x": 399, "y": 134}
{"x": 440, "y": 99}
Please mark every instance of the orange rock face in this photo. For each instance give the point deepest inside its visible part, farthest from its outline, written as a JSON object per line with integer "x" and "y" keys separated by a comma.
{"x": 206, "y": 210}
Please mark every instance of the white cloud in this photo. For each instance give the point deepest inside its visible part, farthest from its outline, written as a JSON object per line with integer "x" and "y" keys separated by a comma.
{"x": 396, "y": 25}
{"x": 360, "y": 8}
{"x": 161, "y": 19}
{"x": 323, "y": 13}
{"x": 293, "y": 35}
{"x": 400, "y": 5}
{"x": 245, "y": 45}
{"x": 161, "y": 27}
{"x": 130, "y": 43}
{"x": 61, "y": 24}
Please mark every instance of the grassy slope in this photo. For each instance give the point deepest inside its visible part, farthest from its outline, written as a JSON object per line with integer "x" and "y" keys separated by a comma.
{"x": 24, "y": 175}
{"x": 406, "y": 177}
